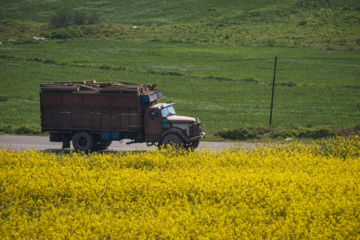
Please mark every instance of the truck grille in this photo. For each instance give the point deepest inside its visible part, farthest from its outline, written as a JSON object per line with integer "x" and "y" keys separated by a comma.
{"x": 197, "y": 129}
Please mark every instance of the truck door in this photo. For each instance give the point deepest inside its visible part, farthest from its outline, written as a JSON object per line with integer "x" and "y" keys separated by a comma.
{"x": 153, "y": 127}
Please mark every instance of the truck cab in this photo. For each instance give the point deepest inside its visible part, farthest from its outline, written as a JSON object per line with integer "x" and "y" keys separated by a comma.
{"x": 162, "y": 125}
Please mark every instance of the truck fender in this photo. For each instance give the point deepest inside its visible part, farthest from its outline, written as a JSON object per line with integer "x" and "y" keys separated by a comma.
{"x": 177, "y": 131}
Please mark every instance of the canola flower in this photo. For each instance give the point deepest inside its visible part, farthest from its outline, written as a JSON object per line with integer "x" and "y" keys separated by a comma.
{"x": 275, "y": 192}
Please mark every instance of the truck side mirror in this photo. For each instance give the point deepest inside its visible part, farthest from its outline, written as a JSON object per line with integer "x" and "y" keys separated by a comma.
{"x": 152, "y": 115}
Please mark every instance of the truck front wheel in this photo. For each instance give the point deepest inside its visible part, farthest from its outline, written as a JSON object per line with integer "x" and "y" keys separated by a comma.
{"x": 173, "y": 140}
{"x": 193, "y": 145}
{"x": 83, "y": 141}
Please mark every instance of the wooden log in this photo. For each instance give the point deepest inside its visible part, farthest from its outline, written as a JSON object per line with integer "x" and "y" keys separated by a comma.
{"x": 87, "y": 87}
{"x": 91, "y": 81}
{"x": 91, "y": 85}
{"x": 75, "y": 82}
{"x": 118, "y": 90}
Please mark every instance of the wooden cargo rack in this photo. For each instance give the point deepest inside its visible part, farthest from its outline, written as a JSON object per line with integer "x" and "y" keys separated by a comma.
{"x": 91, "y": 86}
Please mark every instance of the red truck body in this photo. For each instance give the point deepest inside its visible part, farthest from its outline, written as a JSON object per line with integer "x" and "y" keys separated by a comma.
{"x": 93, "y": 114}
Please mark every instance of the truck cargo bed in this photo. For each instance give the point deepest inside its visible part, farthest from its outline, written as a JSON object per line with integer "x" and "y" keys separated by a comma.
{"x": 91, "y": 106}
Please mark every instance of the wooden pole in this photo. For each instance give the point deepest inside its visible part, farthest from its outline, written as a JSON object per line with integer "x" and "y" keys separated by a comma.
{"x": 272, "y": 96}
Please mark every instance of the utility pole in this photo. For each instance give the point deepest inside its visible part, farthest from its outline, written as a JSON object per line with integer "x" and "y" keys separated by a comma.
{"x": 272, "y": 96}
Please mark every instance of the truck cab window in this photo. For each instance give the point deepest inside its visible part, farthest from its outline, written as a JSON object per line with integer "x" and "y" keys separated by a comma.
{"x": 154, "y": 115}
{"x": 168, "y": 111}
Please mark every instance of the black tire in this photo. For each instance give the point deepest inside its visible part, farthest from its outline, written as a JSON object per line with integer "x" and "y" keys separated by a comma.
{"x": 173, "y": 140}
{"x": 83, "y": 141}
{"x": 193, "y": 145}
{"x": 102, "y": 145}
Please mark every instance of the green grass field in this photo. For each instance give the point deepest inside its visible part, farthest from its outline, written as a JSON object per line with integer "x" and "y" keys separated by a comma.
{"x": 288, "y": 23}
{"x": 137, "y": 12}
{"x": 226, "y": 86}
{"x": 215, "y": 60}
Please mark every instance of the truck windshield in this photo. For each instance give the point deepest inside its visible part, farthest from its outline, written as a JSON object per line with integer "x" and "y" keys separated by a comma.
{"x": 168, "y": 111}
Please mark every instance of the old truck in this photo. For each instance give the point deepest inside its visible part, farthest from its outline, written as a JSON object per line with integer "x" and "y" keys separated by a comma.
{"x": 92, "y": 115}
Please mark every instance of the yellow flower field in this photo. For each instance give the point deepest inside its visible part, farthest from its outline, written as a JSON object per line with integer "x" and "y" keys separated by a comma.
{"x": 278, "y": 192}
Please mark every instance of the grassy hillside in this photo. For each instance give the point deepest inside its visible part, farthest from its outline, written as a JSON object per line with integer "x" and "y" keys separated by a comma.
{"x": 303, "y": 23}
{"x": 136, "y": 12}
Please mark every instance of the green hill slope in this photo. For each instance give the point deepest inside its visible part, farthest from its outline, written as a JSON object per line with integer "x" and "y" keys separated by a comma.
{"x": 135, "y": 12}
{"x": 312, "y": 23}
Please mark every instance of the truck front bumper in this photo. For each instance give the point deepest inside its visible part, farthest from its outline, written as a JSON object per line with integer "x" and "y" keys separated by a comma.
{"x": 192, "y": 139}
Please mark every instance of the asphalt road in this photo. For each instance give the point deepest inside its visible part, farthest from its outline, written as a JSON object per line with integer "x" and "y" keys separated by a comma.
{"x": 43, "y": 143}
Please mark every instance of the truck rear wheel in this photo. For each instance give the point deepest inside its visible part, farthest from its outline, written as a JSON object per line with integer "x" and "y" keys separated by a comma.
{"x": 83, "y": 141}
{"x": 173, "y": 140}
{"x": 102, "y": 145}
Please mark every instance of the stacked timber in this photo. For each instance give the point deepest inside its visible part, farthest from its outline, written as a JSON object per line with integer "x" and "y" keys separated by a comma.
{"x": 91, "y": 86}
